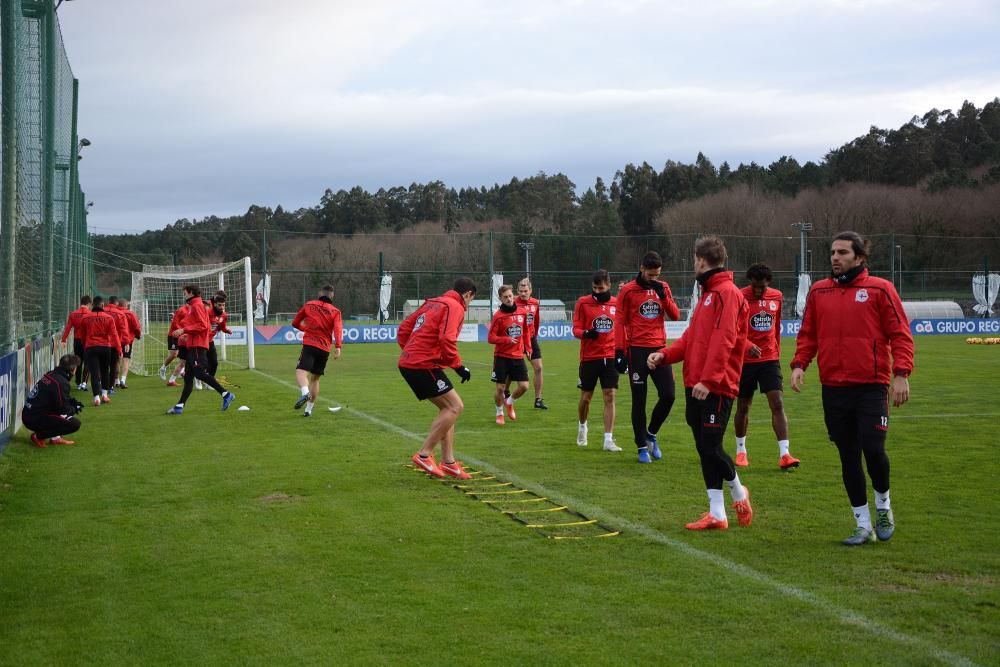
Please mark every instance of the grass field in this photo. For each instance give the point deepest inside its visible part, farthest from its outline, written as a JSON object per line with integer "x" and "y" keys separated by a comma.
{"x": 264, "y": 538}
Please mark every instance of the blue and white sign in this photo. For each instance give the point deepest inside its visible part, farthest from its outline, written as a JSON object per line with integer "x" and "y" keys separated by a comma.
{"x": 8, "y": 397}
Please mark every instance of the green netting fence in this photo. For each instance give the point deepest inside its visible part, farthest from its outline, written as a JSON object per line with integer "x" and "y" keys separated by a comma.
{"x": 46, "y": 259}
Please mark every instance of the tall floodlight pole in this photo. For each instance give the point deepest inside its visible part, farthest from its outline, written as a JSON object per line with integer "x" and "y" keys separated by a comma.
{"x": 804, "y": 229}
{"x": 528, "y": 247}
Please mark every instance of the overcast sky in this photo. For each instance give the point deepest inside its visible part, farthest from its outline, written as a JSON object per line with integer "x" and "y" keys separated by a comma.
{"x": 201, "y": 107}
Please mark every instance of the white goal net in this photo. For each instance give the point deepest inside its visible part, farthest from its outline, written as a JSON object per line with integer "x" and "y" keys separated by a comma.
{"x": 157, "y": 291}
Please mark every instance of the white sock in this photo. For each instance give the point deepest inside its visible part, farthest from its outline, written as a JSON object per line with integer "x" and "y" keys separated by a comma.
{"x": 741, "y": 445}
{"x": 309, "y": 406}
{"x": 716, "y": 504}
{"x": 882, "y": 500}
{"x": 782, "y": 447}
{"x": 862, "y": 516}
{"x": 173, "y": 378}
{"x": 179, "y": 405}
{"x": 510, "y": 400}
{"x": 304, "y": 390}
{"x": 583, "y": 424}
{"x": 736, "y": 489}
{"x": 608, "y": 438}
{"x": 499, "y": 410}
{"x": 104, "y": 392}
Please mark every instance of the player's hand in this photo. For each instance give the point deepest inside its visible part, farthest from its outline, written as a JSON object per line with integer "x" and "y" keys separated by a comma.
{"x": 77, "y": 407}
{"x": 621, "y": 363}
{"x": 654, "y": 360}
{"x": 900, "y": 390}
{"x": 591, "y": 333}
{"x": 464, "y": 373}
{"x": 753, "y": 351}
{"x": 178, "y": 332}
{"x": 700, "y": 392}
{"x": 657, "y": 287}
{"x": 798, "y": 379}
{"x": 336, "y": 353}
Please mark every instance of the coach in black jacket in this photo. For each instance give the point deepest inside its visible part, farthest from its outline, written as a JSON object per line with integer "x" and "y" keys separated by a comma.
{"x": 49, "y": 409}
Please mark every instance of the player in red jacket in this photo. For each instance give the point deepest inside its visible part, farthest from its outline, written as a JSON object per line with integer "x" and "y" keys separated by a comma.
{"x": 510, "y": 333}
{"x": 175, "y": 350}
{"x": 428, "y": 338}
{"x": 121, "y": 320}
{"x": 594, "y": 324}
{"x": 217, "y": 318}
{"x": 79, "y": 347}
{"x": 856, "y": 325}
{"x": 762, "y": 365}
{"x": 133, "y": 332}
{"x": 643, "y": 305}
{"x": 100, "y": 330}
{"x": 712, "y": 348}
{"x": 533, "y": 311}
{"x": 195, "y": 327}
{"x": 321, "y": 322}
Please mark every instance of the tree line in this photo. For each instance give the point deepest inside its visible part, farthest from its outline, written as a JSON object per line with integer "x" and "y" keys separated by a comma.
{"x": 938, "y": 151}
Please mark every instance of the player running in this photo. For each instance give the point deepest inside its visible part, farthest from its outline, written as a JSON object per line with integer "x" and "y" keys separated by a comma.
{"x": 217, "y": 318}
{"x": 73, "y": 322}
{"x": 762, "y": 365}
{"x": 509, "y": 333}
{"x": 643, "y": 305}
{"x": 194, "y": 326}
{"x": 856, "y": 325}
{"x": 593, "y": 324}
{"x": 174, "y": 349}
{"x": 49, "y": 410}
{"x": 321, "y": 323}
{"x": 712, "y": 348}
{"x": 428, "y": 338}
{"x": 532, "y": 309}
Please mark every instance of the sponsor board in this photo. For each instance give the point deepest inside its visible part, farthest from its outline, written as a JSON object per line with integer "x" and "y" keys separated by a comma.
{"x": 384, "y": 333}
{"x": 238, "y": 337}
{"x": 927, "y": 327}
{"x": 8, "y": 397}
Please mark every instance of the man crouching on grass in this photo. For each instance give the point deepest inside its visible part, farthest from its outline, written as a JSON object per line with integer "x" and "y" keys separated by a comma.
{"x": 712, "y": 348}
{"x": 429, "y": 339}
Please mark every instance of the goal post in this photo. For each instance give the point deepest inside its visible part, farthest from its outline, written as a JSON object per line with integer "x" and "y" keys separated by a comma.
{"x": 157, "y": 291}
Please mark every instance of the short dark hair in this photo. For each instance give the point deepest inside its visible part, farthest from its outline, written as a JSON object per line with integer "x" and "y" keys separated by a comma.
{"x": 503, "y": 288}
{"x": 325, "y": 290}
{"x": 85, "y": 300}
{"x": 860, "y": 246}
{"x": 98, "y": 302}
{"x": 601, "y": 276}
{"x": 193, "y": 289}
{"x": 463, "y": 285}
{"x": 652, "y": 260}
{"x": 711, "y": 249}
{"x": 69, "y": 362}
{"x": 760, "y": 271}
{"x": 221, "y": 293}
{"x": 113, "y": 300}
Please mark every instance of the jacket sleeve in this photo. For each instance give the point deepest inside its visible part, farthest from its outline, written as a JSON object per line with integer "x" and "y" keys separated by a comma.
{"x": 451, "y": 327}
{"x": 805, "y": 342}
{"x": 194, "y": 319}
{"x": 777, "y": 328}
{"x": 676, "y": 351}
{"x": 338, "y": 329}
{"x": 493, "y": 337}
{"x": 69, "y": 325}
{"x": 406, "y": 328}
{"x": 621, "y": 315}
{"x": 134, "y": 322}
{"x": 526, "y": 343}
{"x": 897, "y": 327}
{"x": 224, "y": 324}
{"x": 578, "y": 323}
{"x": 670, "y": 307}
{"x": 299, "y": 317}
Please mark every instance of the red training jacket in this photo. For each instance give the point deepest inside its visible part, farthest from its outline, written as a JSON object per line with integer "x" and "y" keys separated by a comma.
{"x": 712, "y": 347}
{"x": 194, "y": 322}
{"x": 218, "y": 321}
{"x": 854, "y": 327}
{"x": 589, "y": 313}
{"x": 73, "y": 322}
{"x": 133, "y": 329}
{"x": 765, "y": 325}
{"x": 101, "y": 330}
{"x": 429, "y": 335}
{"x": 321, "y": 322}
{"x": 533, "y": 311}
{"x": 640, "y": 317}
{"x": 508, "y": 331}
{"x": 175, "y": 321}
{"x": 121, "y": 321}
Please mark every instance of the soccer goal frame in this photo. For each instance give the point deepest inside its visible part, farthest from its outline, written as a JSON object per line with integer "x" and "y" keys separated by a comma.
{"x": 157, "y": 291}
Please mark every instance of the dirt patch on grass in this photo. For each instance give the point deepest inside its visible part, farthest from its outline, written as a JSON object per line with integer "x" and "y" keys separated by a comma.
{"x": 273, "y": 498}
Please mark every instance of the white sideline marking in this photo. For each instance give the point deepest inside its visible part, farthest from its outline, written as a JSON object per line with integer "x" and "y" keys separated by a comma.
{"x": 844, "y": 615}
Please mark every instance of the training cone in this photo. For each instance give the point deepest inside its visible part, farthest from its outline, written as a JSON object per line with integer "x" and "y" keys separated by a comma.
{"x": 243, "y": 408}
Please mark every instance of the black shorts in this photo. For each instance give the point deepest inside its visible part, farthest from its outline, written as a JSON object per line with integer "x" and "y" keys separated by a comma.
{"x": 127, "y": 351}
{"x": 426, "y": 382}
{"x": 710, "y": 414}
{"x": 766, "y": 375}
{"x": 313, "y": 360}
{"x": 509, "y": 369}
{"x": 594, "y": 369}
{"x": 860, "y": 410}
{"x": 172, "y": 343}
{"x": 536, "y": 352}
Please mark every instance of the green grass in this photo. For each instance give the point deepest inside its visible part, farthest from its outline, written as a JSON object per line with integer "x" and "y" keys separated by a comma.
{"x": 264, "y": 538}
